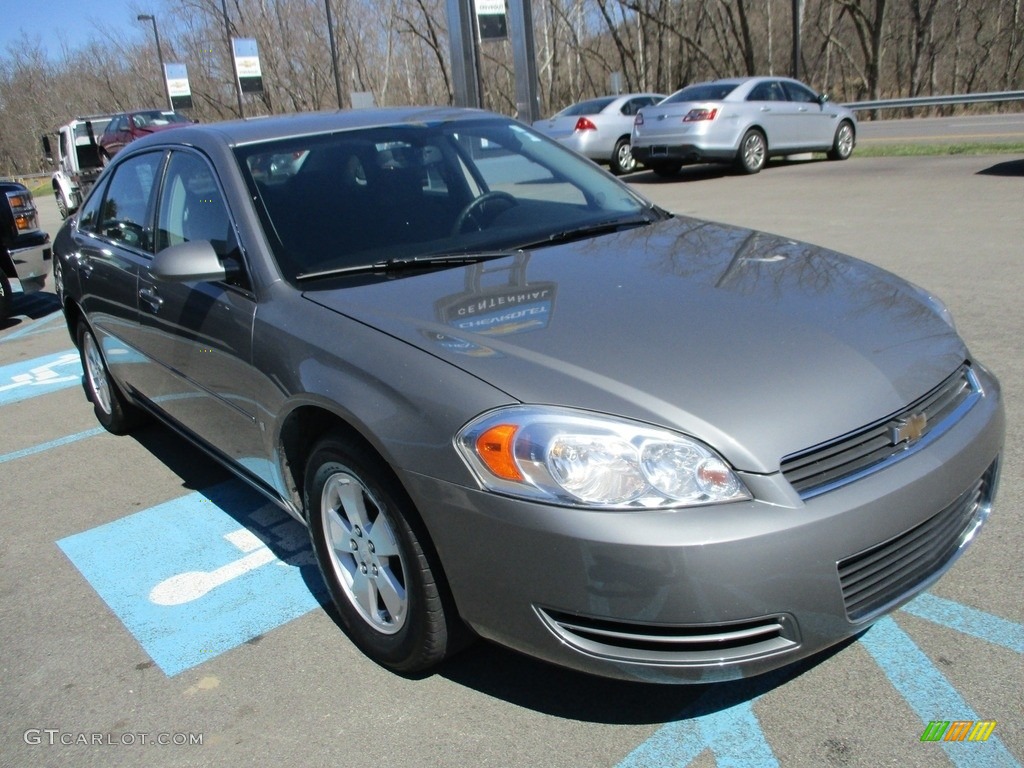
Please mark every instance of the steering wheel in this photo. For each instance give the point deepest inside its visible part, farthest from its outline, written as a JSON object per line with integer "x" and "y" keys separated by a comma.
{"x": 473, "y": 210}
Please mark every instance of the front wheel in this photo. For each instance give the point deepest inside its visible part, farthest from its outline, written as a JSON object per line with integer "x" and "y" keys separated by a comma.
{"x": 376, "y": 560}
{"x": 62, "y": 206}
{"x": 842, "y": 145}
{"x": 112, "y": 409}
{"x": 753, "y": 152}
{"x": 622, "y": 158}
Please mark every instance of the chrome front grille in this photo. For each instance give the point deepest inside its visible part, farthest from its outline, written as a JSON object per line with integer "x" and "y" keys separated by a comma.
{"x": 874, "y": 580}
{"x": 828, "y": 466}
{"x": 685, "y": 644}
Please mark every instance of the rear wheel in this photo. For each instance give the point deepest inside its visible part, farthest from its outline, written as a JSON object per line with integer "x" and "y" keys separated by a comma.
{"x": 842, "y": 145}
{"x": 622, "y": 158}
{"x": 376, "y": 560}
{"x": 112, "y": 409}
{"x": 753, "y": 152}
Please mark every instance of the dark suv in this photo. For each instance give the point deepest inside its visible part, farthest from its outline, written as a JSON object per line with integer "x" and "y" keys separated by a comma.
{"x": 128, "y": 126}
{"x": 24, "y": 247}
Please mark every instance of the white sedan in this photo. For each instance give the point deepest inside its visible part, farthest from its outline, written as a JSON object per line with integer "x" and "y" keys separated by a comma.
{"x": 600, "y": 128}
{"x": 742, "y": 121}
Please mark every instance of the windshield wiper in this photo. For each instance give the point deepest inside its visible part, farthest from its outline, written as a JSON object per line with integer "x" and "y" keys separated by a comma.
{"x": 395, "y": 266}
{"x": 590, "y": 230}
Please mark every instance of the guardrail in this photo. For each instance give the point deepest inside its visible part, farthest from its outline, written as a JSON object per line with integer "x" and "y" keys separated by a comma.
{"x": 937, "y": 101}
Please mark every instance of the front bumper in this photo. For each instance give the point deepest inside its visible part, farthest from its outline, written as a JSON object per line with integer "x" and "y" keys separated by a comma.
{"x": 716, "y": 593}
{"x": 31, "y": 258}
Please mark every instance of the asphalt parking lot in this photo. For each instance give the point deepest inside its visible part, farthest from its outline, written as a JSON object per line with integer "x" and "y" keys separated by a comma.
{"x": 96, "y": 668}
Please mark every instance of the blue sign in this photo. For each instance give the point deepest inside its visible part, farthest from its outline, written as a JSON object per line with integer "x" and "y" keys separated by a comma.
{"x": 199, "y": 575}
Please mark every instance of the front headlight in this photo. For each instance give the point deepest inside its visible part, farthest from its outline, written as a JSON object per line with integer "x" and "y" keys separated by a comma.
{"x": 571, "y": 457}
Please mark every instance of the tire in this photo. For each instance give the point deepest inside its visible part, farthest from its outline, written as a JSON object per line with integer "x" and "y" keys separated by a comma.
{"x": 665, "y": 170}
{"x": 5, "y": 297}
{"x": 58, "y": 279}
{"x": 622, "y": 158}
{"x": 62, "y": 207}
{"x": 842, "y": 145}
{"x": 111, "y": 407}
{"x": 753, "y": 152}
{"x": 377, "y": 561}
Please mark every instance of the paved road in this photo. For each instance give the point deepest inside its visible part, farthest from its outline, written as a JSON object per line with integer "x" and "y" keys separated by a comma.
{"x": 967, "y": 129}
{"x": 87, "y": 675}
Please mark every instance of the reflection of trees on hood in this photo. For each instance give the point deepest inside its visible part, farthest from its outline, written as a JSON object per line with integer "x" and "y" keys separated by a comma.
{"x": 774, "y": 269}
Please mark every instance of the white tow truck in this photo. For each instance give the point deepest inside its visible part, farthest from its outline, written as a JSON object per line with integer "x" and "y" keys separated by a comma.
{"x": 77, "y": 159}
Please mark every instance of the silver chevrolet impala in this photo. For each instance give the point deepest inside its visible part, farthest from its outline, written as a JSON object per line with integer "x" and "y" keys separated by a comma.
{"x": 510, "y": 398}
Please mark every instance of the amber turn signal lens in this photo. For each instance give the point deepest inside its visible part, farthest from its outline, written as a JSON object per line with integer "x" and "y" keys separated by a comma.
{"x": 494, "y": 447}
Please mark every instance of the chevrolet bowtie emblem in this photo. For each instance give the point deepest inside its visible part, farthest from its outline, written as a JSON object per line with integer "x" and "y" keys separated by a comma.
{"x": 909, "y": 430}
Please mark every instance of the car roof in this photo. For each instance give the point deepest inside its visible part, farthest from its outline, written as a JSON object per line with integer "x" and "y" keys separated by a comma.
{"x": 258, "y": 129}
{"x": 753, "y": 80}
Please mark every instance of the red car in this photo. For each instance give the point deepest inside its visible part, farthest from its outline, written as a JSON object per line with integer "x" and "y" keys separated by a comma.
{"x": 128, "y": 126}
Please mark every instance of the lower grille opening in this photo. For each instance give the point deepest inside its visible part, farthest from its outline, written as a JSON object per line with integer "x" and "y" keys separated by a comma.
{"x": 674, "y": 644}
{"x": 874, "y": 580}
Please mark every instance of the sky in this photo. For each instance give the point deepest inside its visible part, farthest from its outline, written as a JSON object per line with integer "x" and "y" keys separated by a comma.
{"x": 74, "y": 23}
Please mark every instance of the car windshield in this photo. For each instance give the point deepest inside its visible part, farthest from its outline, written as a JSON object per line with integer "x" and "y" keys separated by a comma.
{"x": 590, "y": 107}
{"x": 702, "y": 92}
{"x": 340, "y": 201}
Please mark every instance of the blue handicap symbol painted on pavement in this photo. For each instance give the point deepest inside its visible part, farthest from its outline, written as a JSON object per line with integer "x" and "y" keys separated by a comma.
{"x": 39, "y": 376}
{"x": 199, "y": 575}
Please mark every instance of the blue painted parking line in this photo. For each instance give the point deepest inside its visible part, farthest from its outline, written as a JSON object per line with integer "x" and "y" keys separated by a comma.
{"x": 199, "y": 575}
{"x": 970, "y": 621}
{"x": 733, "y": 734}
{"x": 51, "y": 444}
{"x": 39, "y": 376}
{"x": 930, "y": 694}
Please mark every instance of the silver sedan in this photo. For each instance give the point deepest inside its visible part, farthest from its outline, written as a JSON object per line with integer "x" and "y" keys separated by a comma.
{"x": 742, "y": 121}
{"x": 600, "y": 128}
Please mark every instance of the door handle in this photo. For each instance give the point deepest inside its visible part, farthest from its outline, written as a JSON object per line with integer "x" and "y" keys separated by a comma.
{"x": 766, "y": 109}
{"x": 150, "y": 297}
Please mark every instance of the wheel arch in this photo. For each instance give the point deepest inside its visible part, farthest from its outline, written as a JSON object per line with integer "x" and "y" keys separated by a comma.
{"x": 305, "y": 426}
{"x": 73, "y": 315}
{"x": 303, "y": 429}
{"x": 753, "y": 127}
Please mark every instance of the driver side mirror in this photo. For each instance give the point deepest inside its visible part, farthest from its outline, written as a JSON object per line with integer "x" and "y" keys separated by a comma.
{"x": 192, "y": 261}
{"x": 823, "y": 99}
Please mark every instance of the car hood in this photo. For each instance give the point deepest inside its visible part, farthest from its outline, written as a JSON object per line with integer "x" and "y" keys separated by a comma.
{"x": 756, "y": 344}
